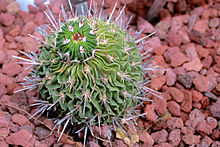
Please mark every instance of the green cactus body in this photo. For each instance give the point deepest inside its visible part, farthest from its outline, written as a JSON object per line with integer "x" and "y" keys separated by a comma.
{"x": 84, "y": 64}
{"x": 89, "y": 71}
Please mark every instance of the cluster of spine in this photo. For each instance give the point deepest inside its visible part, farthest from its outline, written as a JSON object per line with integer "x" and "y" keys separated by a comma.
{"x": 89, "y": 71}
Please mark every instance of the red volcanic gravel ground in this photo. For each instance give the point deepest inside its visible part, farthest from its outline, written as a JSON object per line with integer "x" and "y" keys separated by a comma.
{"x": 187, "y": 45}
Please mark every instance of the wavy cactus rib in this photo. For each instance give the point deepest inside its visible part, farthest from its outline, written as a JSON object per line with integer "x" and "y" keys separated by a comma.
{"x": 89, "y": 71}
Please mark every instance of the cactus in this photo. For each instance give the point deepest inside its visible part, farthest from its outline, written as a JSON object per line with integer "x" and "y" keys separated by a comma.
{"x": 89, "y": 71}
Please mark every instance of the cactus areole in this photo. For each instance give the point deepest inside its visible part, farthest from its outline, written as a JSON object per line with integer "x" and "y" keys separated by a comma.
{"x": 89, "y": 71}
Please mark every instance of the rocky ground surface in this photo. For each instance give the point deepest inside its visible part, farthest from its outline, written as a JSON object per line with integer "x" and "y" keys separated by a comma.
{"x": 187, "y": 44}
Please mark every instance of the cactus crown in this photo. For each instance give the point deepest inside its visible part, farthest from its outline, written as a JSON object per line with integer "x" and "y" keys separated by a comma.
{"x": 89, "y": 71}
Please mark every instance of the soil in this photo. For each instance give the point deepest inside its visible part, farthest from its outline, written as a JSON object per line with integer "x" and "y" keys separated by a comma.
{"x": 187, "y": 45}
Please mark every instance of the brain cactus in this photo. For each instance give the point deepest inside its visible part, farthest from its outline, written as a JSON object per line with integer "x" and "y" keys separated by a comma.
{"x": 89, "y": 71}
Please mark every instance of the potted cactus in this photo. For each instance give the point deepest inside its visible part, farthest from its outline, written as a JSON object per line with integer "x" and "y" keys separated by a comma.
{"x": 89, "y": 71}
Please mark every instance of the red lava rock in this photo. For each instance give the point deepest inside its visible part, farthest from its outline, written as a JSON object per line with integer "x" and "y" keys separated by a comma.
{"x": 170, "y": 7}
{"x": 201, "y": 26}
{"x": 206, "y": 14}
{"x": 214, "y": 22}
{"x": 151, "y": 115}
{"x": 104, "y": 131}
{"x": 176, "y": 94}
{"x": 146, "y": 138}
{"x": 184, "y": 36}
{"x": 212, "y": 82}
{"x": 181, "y": 6}
{"x": 6, "y": 19}
{"x": 13, "y": 7}
{"x": 160, "y": 136}
{"x": 93, "y": 144}
{"x": 29, "y": 44}
{"x": 153, "y": 43}
{"x": 217, "y": 60}
{"x": 26, "y": 17}
{"x": 4, "y": 128}
{"x": 203, "y": 128}
{"x": 207, "y": 61}
{"x": 12, "y": 45}
{"x": 40, "y": 144}
{"x": 202, "y": 52}
{"x": 211, "y": 95}
{"x": 158, "y": 82}
{"x": 10, "y": 39}
{"x": 197, "y": 11}
{"x": 192, "y": 20}
{"x": 21, "y": 137}
{"x": 196, "y": 96}
{"x": 205, "y": 102}
{"x": 39, "y": 18}
{"x": 2, "y": 54}
{"x": 48, "y": 122}
{"x": 19, "y": 119}
{"x": 185, "y": 79}
{"x": 28, "y": 28}
{"x": 189, "y": 138}
{"x": 215, "y": 109}
{"x": 15, "y": 31}
{"x": 160, "y": 105}
{"x": 174, "y": 39}
{"x": 181, "y": 59}
{"x": 19, "y": 98}
{"x": 191, "y": 52}
{"x": 31, "y": 142}
{"x": 3, "y": 6}
{"x": 11, "y": 69}
{"x": 216, "y": 68}
{"x": 197, "y": 105}
{"x": 162, "y": 29}
{"x": 184, "y": 116}
{"x": 174, "y": 108}
{"x": 47, "y": 142}
{"x": 41, "y": 132}
{"x": 165, "y": 15}
{"x": 117, "y": 143}
{"x": 186, "y": 105}
{"x": 170, "y": 77}
{"x": 211, "y": 122}
{"x": 142, "y": 23}
{"x": 159, "y": 60}
{"x": 216, "y": 144}
{"x": 195, "y": 117}
{"x": 170, "y": 51}
{"x": 174, "y": 137}
{"x": 5, "y": 80}
{"x": 174, "y": 123}
{"x": 3, "y": 144}
{"x": 3, "y": 90}
{"x": 160, "y": 50}
{"x": 56, "y": 10}
{"x": 215, "y": 134}
{"x": 201, "y": 83}
{"x": 159, "y": 126}
{"x": 206, "y": 141}
{"x": 165, "y": 144}
{"x": 32, "y": 9}
{"x": 194, "y": 65}
{"x": 197, "y": 37}
{"x": 218, "y": 51}
{"x": 218, "y": 87}
{"x": 176, "y": 24}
